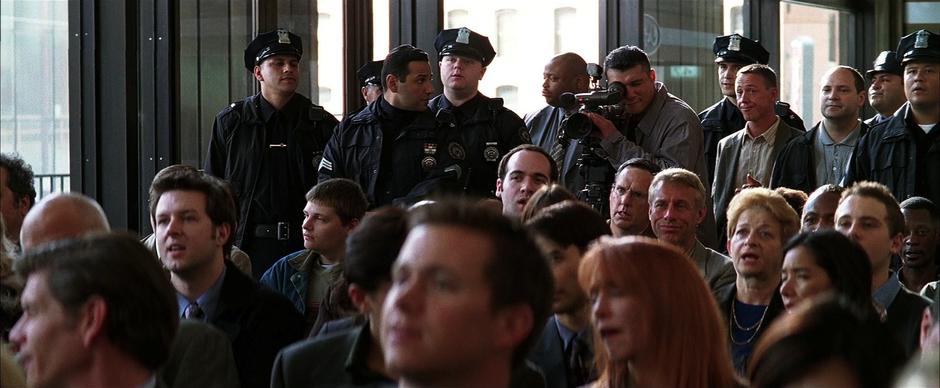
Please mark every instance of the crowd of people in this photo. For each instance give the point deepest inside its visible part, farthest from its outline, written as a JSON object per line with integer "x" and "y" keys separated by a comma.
{"x": 445, "y": 241}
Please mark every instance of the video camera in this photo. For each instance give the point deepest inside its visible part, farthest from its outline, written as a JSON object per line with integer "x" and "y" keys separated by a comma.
{"x": 598, "y": 100}
{"x": 595, "y": 171}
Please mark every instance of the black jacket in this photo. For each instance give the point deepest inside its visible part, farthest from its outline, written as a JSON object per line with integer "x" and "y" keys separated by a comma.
{"x": 795, "y": 167}
{"x": 903, "y": 320}
{"x": 889, "y": 154}
{"x": 239, "y": 140}
{"x": 487, "y": 130}
{"x": 258, "y": 321}
{"x": 356, "y": 152}
{"x": 724, "y": 118}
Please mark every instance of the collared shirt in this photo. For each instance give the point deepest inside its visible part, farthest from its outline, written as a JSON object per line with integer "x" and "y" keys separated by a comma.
{"x": 885, "y": 294}
{"x": 755, "y": 157}
{"x": 831, "y": 157}
{"x": 568, "y": 335}
{"x": 208, "y": 301}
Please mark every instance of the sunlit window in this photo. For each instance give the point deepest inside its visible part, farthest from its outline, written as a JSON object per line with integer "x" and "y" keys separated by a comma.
{"x": 810, "y": 44}
{"x": 329, "y": 64}
{"x": 566, "y": 29}
{"x": 457, "y": 18}
{"x": 34, "y": 88}
{"x": 526, "y": 43}
{"x": 509, "y": 94}
{"x": 380, "y": 29}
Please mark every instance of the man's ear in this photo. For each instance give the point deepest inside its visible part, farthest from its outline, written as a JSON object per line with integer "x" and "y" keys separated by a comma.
{"x": 391, "y": 81}
{"x": 499, "y": 187}
{"x": 352, "y": 224}
{"x": 257, "y": 73}
{"x": 223, "y": 232}
{"x": 358, "y": 297}
{"x": 700, "y": 218}
{"x": 653, "y": 74}
{"x": 896, "y": 243}
{"x": 91, "y": 318}
{"x": 514, "y": 323}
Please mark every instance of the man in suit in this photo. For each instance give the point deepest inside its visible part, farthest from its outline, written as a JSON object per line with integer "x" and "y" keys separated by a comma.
{"x": 870, "y": 215}
{"x": 193, "y": 215}
{"x": 200, "y": 355}
{"x": 99, "y": 313}
{"x": 819, "y": 156}
{"x": 469, "y": 293}
{"x": 746, "y": 157}
{"x": 565, "y": 350}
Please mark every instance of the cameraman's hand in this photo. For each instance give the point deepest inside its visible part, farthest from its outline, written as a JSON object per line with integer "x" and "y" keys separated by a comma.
{"x": 605, "y": 126}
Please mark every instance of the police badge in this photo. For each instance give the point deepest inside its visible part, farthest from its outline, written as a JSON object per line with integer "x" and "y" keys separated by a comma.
{"x": 491, "y": 153}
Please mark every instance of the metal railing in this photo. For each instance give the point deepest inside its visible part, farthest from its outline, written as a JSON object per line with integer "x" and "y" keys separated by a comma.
{"x": 46, "y": 184}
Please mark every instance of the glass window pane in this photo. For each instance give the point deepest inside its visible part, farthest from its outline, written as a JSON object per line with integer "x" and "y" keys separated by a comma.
{"x": 810, "y": 44}
{"x": 34, "y": 88}
{"x": 329, "y": 62}
{"x": 921, "y": 15}
{"x": 380, "y": 29}
{"x": 525, "y": 38}
{"x": 678, "y": 36}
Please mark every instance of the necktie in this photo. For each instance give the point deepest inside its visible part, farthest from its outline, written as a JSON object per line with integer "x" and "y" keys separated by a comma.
{"x": 578, "y": 362}
{"x": 193, "y": 311}
{"x": 558, "y": 152}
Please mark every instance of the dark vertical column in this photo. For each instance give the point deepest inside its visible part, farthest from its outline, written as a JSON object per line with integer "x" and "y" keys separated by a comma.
{"x": 357, "y": 32}
{"x": 107, "y": 114}
{"x": 417, "y": 22}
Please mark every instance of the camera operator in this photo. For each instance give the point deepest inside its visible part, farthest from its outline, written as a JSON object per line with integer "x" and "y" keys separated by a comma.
{"x": 656, "y": 125}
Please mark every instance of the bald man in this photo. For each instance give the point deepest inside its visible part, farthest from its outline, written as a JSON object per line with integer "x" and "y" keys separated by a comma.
{"x": 201, "y": 356}
{"x": 565, "y": 73}
{"x": 61, "y": 216}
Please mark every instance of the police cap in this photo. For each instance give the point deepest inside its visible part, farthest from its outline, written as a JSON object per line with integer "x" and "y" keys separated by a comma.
{"x": 736, "y": 48}
{"x": 922, "y": 44}
{"x": 370, "y": 74}
{"x": 887, "y": 62}
{"x": 466, "y": 43}
{"x": 268, "y": 44}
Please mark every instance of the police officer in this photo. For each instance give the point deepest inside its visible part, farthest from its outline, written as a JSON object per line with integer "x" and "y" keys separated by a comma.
{"x": 370, "y": 82}
{"x": 732, "y": 52}
{"x": 486, "y": 128}
{"x": 886, "y": 91}
{"x": 268, "y": 147}
{"x": 393, "y": 146}
{"x": 903, "y": 152}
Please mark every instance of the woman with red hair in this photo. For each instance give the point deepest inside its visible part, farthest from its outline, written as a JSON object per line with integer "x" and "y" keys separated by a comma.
{"x": 655, "y": 321}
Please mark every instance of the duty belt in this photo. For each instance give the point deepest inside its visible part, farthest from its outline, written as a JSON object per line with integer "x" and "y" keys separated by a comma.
{"x": 279, "y": 231}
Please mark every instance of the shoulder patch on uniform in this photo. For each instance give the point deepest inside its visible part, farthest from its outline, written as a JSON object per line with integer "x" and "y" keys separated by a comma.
{"x": 524, "y": 135}
{"x": 326, "y": 164}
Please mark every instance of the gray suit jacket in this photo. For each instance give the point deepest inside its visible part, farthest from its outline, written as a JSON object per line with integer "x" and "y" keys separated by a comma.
{"x": 729, "y": 150}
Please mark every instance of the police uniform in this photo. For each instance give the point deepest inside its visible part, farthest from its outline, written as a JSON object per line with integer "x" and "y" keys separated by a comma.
{"x": 396, "y": 156}
{"x": 886, "y": 62}
{"x": 723, "y": 118}
{"x": 486, "y": 129}
{"x": 370, "y": 74}
{"x": 898, "y": 152}
{"x": 270, "y": 158}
